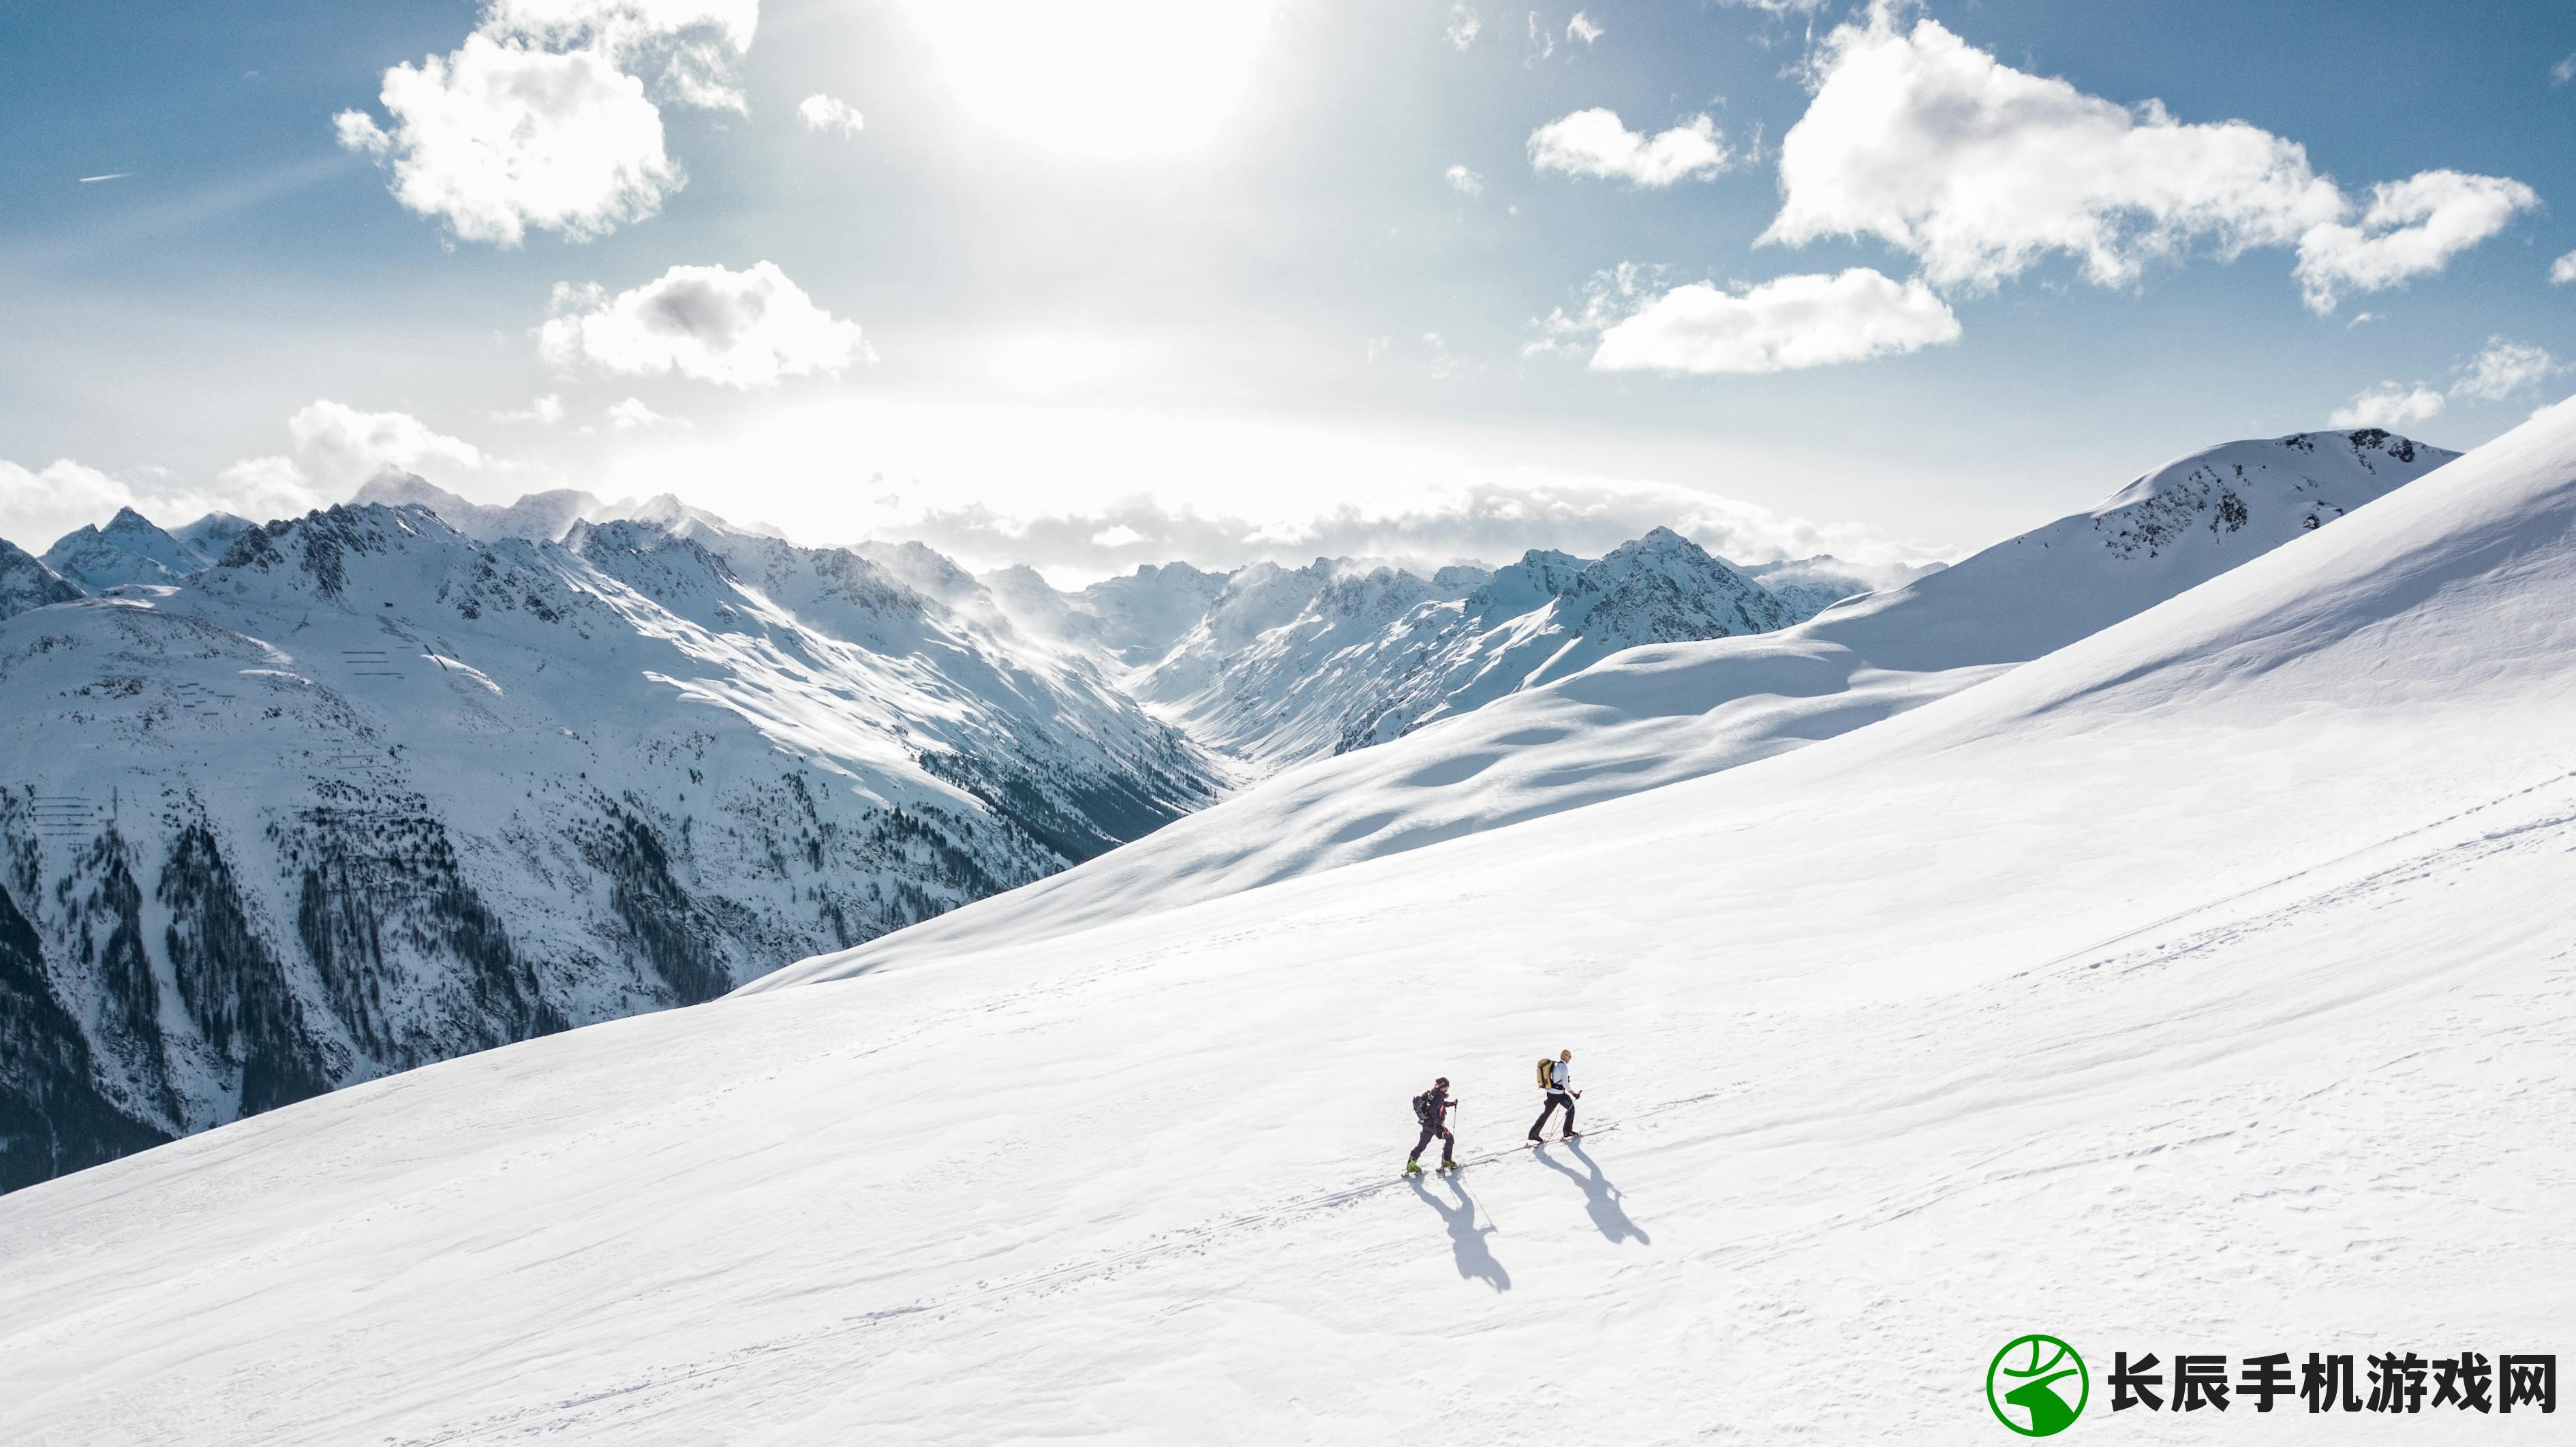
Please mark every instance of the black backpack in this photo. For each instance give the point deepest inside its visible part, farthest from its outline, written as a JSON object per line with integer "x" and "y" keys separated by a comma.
{"x": 1426, "y": 1108}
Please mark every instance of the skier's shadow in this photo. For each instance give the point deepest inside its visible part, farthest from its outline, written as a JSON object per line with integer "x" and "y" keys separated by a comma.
{"x": 1466, "y": 1239}
{"x": 1601, "y": 1200}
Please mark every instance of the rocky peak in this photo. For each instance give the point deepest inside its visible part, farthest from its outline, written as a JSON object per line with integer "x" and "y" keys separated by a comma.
{"x": 25, "y": 582}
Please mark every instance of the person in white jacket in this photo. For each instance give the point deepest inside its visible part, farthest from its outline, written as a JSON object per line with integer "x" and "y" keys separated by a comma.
{"x": 1560, "y": 1092}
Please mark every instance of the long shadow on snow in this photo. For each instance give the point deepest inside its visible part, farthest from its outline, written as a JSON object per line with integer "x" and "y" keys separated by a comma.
{"x": 1466, "y": 1239}
{"x": 1601, "y": 1199}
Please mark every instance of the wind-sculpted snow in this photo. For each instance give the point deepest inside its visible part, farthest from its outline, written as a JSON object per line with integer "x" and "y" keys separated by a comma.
{"x": 2200, "y": 986}
{"x": 367, "y": 794}
{"x": 1655, "y": 715}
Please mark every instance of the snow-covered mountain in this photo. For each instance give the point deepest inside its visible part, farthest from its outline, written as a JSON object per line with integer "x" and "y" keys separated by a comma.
{"x": 130, "y": 549}
{"x": 368, "y": 793}
{"x": 1652, "y": 716}
{"x": 1288, "y": 663}
{"x": 1811, "y": 585}
{"x": 539, "y": 517}
{"x": 2202, "y": 985}
{"x": 1270, "y": 664}
{"x": 25, "y": 582}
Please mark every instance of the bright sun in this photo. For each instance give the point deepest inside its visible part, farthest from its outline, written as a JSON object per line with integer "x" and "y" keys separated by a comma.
{"x": 1108, "y": 78}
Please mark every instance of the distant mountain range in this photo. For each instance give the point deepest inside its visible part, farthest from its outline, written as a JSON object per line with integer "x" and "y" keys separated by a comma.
{"x": 291, "y": 805}
{"x": 1653, "y": 716}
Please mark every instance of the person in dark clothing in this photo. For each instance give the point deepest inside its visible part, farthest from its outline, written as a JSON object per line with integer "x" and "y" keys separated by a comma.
{"x": 1560, "y": 1093}
{"x": 1432, "y": 1108}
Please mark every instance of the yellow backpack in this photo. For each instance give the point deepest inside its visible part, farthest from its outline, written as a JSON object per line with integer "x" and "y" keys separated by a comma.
{"x": 1546, "y": 1079}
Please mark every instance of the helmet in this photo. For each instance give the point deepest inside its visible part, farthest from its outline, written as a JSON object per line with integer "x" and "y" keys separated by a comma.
{"x": 1443, "y": 1080}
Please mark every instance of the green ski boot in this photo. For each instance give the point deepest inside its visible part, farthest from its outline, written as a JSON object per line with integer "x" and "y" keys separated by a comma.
{"x": 1413, "y": 1168}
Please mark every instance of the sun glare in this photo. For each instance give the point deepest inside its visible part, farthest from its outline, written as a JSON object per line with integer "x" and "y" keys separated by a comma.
{"x": 1117, "y": 79}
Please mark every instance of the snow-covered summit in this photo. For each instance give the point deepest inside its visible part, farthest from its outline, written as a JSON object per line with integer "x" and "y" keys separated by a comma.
{"x": 1290, "y": 663}
{"x": 538, "y": 517}
{"x": 25, "y": 582}
{"x": 130, "y": 549}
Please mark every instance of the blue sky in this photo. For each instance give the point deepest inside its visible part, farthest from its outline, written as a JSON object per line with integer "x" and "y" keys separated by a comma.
{"x": 1096, "y": 285}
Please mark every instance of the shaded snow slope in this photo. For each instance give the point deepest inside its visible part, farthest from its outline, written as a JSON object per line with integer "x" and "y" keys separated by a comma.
{"x": 1655, "y": 715}
{"x": 2202, "y": 986}
{"x": 368, "y": 794}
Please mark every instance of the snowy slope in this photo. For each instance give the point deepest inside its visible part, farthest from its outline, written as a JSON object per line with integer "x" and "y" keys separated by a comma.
{"x": 1656, "y": 715}
{"x": 368, "y": 794}
{"x": 2203, "y": 986}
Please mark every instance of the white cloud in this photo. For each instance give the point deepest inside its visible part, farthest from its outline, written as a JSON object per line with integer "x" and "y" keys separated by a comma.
{"x": 2499, "y": 370}
{"x": 1595, "y": 143}
{"x": 824, "y": 113}
{"x": 1466, "y": 182}
{"x": 2563, "y": 270}
{"x": 1980, "y": 170}
{"x": 2413, "y": 228}
{"x": 1781, "y": 325}
{"x": 2503, "y": 369}
{"x": 1463, "y": 25}
{"x": 337, "y": 447}
{"x": 631, "y": 414}
{"x": 1542, "y": 40}
{"x": 499, "y": 137}
{"x": 1443, "y": 365}
{"x": 1777, "y": 7}
{"x": 2563, "y": 72}
{"x": 692, "y": 44}
{"x": 548, "y": 409}
{"x": 1584, "y": 28}
{"x": 2390, "y": 404}
{"x": 37, "y": 507}
{"x": 542, "y": 118}
{"x": 740, "y": 328}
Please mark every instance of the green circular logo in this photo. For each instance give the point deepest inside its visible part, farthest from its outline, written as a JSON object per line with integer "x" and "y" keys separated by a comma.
{"x": 2037, "y": 1385}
